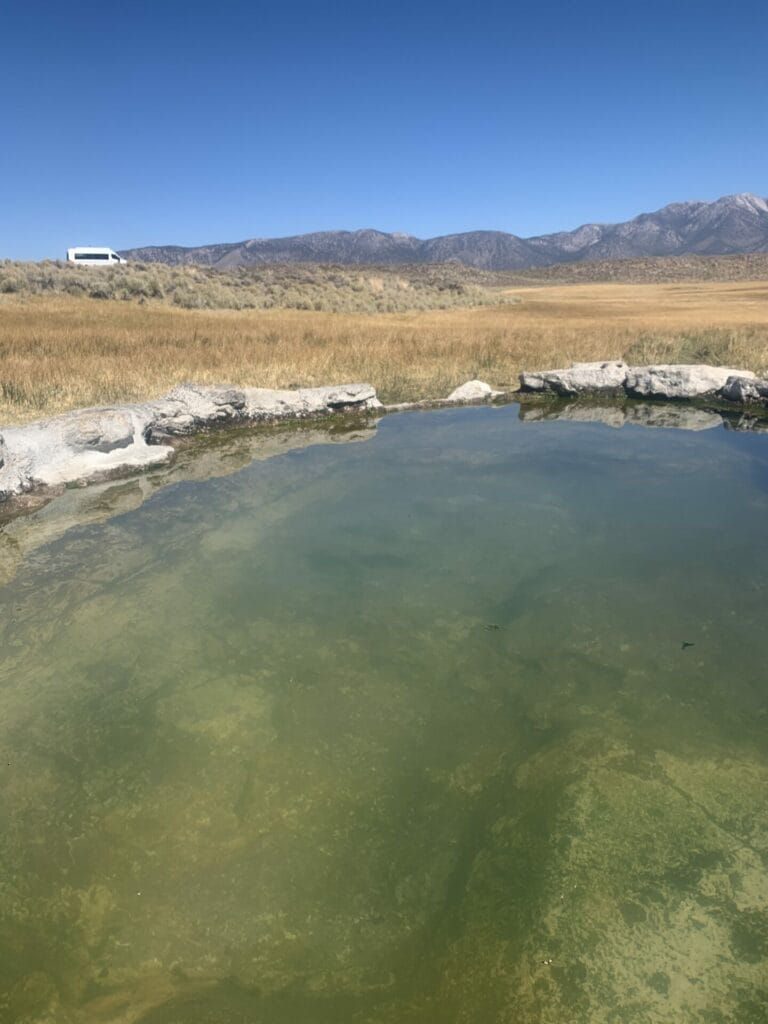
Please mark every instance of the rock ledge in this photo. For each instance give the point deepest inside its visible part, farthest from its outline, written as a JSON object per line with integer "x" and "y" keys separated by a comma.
{"x": 662, "y": 381}
{"x": 94, "y": 444}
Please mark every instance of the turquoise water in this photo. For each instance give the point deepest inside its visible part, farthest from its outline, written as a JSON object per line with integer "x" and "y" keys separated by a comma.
{"x": 399, "y": 731}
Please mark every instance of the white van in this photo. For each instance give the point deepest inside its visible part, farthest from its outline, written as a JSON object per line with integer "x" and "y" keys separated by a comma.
{"x": 93, "y": 256}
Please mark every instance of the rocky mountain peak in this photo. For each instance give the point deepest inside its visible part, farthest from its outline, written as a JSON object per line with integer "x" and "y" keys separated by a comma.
{"x": 745, "y": 201}
{"x": 732, "y": 224}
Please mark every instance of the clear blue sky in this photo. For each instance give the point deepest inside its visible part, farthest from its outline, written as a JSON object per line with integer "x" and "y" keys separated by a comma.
{"x": 179, "y": 121}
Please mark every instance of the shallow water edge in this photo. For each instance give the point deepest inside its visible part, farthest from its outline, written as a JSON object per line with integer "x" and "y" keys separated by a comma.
{"x": 92, "y": 445}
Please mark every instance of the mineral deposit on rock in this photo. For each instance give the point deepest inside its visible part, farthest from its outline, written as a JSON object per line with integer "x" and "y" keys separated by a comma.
{"x": 745, "y": 389}
{"x": 679, "y": 381}
{"x": 93, "y": 444}
{"x": 473, "y": 391}
{"x": 581, "y": 378}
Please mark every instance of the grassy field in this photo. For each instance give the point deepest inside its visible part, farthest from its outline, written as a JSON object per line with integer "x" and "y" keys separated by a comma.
{"x": 63, "y": 351}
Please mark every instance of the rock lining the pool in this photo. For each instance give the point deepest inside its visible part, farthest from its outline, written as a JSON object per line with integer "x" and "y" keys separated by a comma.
{"x": 661, "y": 381}
{"x": 95, "y": 444}
{"x": 89, "y": 445}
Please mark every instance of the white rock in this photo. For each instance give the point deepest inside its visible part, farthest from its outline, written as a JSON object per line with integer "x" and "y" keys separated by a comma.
{"x": 76, "y": 506}
{"x": 679, "y": 381}
{"x": 193, "y": 407}
{"x": 472, "y": 391}
{"x": 99, "y": 430}
{"x": 746, "y": 389}
{"x": 89, "y": 444}
{"x": 94, "y": 444}
{"x": 267, "y": 403}
{"x": 348, "y": 396}
{"x": 206, "y": 403}
{"x": 580, "y": 378}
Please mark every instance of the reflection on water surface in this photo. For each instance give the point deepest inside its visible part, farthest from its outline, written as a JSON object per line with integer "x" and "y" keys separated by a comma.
{"x": 398, "y": 732}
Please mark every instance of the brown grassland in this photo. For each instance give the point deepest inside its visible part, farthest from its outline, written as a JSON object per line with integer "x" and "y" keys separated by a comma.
{"x": 62, "y": 351}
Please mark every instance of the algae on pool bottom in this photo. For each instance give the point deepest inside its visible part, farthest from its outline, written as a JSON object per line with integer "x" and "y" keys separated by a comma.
{"x": 264, "y": 760}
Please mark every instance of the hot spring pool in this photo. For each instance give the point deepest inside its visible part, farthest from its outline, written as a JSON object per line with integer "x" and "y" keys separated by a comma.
{"x": 395, "y": 732}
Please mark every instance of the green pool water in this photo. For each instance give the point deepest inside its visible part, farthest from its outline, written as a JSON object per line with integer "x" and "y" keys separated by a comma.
{"x": 394, "y": 732}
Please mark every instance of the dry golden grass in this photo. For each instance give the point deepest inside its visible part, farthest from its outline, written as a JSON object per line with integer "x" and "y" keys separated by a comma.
{"x": 64, "y": 352}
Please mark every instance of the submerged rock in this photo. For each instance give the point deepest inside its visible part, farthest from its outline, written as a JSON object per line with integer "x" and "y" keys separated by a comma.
{"x": 581, "y": 378}
{"x": 95, "y": 444}
{"x": 680, "y": 381}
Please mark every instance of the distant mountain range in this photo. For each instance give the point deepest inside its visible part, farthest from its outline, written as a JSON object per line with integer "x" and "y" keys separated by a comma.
{"x": 732, "y": 224}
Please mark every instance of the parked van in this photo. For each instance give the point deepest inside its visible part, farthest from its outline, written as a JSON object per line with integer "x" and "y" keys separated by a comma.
{"x": 93, "y": 256}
